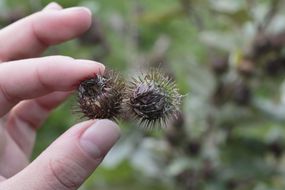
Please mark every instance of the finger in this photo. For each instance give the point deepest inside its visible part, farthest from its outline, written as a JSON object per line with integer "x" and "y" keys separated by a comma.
{"x": 2, "y": 138}
{"x": 2, "y": 178}
{"x": 32, "y": 78}
{"x": 52, "y": 6}
{"x": 68, "y": 162}
{"x": 16, "y": 146}
{"x": 42, "y": 29}
{"x": 13, "y": 159}
{"x": 28, "y": 115}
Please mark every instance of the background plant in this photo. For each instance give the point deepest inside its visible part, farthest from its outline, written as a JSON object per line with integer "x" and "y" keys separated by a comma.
{"x": 227, "y": 53}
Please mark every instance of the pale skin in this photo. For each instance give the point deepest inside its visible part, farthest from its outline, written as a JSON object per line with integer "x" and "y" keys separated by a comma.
{"x": 30, "y": 88}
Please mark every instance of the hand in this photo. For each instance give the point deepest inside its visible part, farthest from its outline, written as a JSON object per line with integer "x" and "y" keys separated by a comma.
{"x": 31, "y": 88}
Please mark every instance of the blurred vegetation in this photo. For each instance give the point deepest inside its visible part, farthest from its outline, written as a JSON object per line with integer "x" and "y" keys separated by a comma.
{"x": 228, "y": 56}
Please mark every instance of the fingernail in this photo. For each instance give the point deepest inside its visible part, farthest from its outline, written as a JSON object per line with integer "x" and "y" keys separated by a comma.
{"x": 78, "y": 10}
{"x": 93, "y": 63}
{"x": 98, "y": 139}
{"x": 53, "y": 6}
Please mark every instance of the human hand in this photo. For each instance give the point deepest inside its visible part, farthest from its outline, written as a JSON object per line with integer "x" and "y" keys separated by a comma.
{"x": 31, "y": 88}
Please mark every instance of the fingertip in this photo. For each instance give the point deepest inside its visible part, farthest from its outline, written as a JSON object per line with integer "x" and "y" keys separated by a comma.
{"x": 75, "y": 70}
{"x": 101, "y": 67}
{"x": 81, "y": 13}
{"x": 79, "y": 10}
{"x": 99, "y": 138}
{"x": 53, "y": 6}
{"x": 68, "y": 23}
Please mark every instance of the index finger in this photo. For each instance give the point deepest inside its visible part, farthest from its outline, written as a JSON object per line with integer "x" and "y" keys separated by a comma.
{"x": 31, "y": 78}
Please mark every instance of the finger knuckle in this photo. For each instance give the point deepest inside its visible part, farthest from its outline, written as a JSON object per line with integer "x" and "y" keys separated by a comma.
{"x": 8, "y": 97}
{"x": 66, "y": 174}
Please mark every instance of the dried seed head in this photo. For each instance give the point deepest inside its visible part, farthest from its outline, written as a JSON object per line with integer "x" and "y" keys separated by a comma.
{"x": 101, "y": 97}
{"x": 153, "y": 98}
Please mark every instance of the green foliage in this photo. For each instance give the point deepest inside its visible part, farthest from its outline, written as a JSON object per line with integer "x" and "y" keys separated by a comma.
{"x": 227, "y": 56}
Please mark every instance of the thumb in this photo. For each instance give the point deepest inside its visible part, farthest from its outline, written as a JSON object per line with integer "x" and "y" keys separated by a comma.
{"x": 68, "y": 162}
